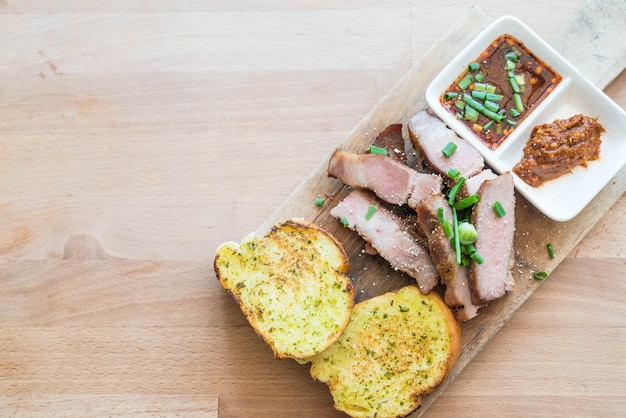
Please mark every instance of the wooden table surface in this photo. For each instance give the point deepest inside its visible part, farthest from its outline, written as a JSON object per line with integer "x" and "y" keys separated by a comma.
{"x": 137, "y": 136}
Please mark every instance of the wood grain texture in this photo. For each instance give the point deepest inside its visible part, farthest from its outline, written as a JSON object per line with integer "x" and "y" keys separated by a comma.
{"x": 137, "y": 136}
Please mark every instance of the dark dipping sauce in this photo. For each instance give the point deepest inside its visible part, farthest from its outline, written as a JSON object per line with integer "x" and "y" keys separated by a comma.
{"x": 537, "y": 81}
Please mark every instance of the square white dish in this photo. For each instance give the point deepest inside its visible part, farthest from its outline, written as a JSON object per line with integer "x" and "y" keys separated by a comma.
{"x": 563, "y": 198}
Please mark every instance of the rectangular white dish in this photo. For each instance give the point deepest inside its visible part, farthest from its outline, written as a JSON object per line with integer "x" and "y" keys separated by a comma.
{"x": 565, "y": 197}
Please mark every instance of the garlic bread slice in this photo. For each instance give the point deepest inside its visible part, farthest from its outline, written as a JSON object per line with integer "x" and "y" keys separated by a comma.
{"x": 291, "y": 285}
{"x": 398, "y": 347}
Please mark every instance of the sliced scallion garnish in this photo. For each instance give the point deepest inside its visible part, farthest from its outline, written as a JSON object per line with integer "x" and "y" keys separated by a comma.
{"x": 493, "y": 106}
{"x": 511, "y": 56}
{"x": 480, "y": 87}
{"x": 377, "y": 150}
{"x": 474, "y": 66}
{"x": 457, "y": 242}
{"x": 467, "y": 202}
{"x": 480, "y": 95}
{"x": 449, "y": 149}
{"x": 514, "y": 85}
{"x": 447, "y": 229}
{"x": 467, "y": 233}
{"x": 499, "y": 209}
{"x": 470, "y": 114}
{"x": 455, "y": 190}
{"x": 475, "y": 104}
{"x": 494, "y": 97}
{"x": 370, "y": 212}
{"x": 489, "y": 124}
{"x": 477, "y": 258}
{"x": 517, "y": 99}
{"x": 453, "y": 173}
{"x": 465, "y": 82}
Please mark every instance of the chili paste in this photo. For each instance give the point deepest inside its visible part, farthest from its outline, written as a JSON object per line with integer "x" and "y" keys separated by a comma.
{"x": 556, "y": 148}
{"x": 514, "y": 78}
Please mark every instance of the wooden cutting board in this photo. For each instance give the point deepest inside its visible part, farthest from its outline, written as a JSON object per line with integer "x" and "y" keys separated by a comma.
{"x": 373, "y": 276}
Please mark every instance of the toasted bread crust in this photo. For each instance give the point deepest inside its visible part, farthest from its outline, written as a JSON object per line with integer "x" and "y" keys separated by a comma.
{"x": 398, "y": 347}
{"x": 291, "y": 285}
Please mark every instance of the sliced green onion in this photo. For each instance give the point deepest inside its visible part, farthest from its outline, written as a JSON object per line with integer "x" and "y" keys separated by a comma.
{"x": 480, "y": 87}
{"x": 449, "y": 149}
{"x": 370, "y": 212}
{"x": 480, "y": 95}
{"x": 450, "y": 95}
{"x": 499, "y": 209}
{"x": 477, "y": 258}
{"x": 457, "y": 242}
{"x": 514, "y": 113}
{"x": 514, "y": 85}
{"x": 467, "y": 202}
{"x": 491, "y": 88}
{"x": 488, "y": 125}
{"x": 345, "y": 222}
{"x": 465, "y": 82}
{"x": 511, "y": 56}
{"x": 470, "y": 114}
{"x": 447, "y": 229}
{"x": 493, "y": 106}
{"x": 377, "y": 150}
{"x": 517, "y": 99}
{"x": 550, "y": 250}
{"x": 511, "y": 122}
{"x": 481, "y": 108}
{"x": 440, "y": 215}
{"x": 467, "y": 233}
{"x": 319, "y": 202}
{"x": 509, "y": 65}
{"x": 455, "y": 190}
{"x": 453, "y": 173}
{"x": 540, "y": 275}
{"x": 459, "y": 104}
{"x": 473, "y": 66}
{"x": 479, "y": 77}
{"x": 470, "y": 249}
{"x": 520, "y": 79}
{"x": 494, "y": 97}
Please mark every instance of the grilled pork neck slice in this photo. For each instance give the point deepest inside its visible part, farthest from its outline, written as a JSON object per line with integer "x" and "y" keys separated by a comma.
{"x": 390, "y": 180}
{"x": 389, "y": 235}
{"x": 392, "y": 140}
{"x": 455, "y": 277}
{"x": 472, "y": 184}
{"x": 491, "y": 279}
{"x": 430, "y": 135}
